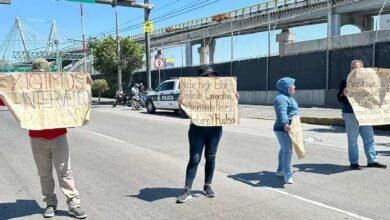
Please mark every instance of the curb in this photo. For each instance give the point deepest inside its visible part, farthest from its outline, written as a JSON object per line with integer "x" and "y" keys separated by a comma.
{"x": 326, "y": 121}
{"x": 323, "y": 121}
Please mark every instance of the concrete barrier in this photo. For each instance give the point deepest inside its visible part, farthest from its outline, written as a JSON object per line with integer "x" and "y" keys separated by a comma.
{"x": 303, "y": 97}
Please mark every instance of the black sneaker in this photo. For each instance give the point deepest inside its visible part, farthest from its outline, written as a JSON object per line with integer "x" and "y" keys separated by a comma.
{"x": 184, "y": 196}
{"x": 77, "y": 212}
{"x": 377, "y": 165}
{"x": 50, "y": 211}
{"x": 208, "y": 191}
{"x": 354, "y": 166}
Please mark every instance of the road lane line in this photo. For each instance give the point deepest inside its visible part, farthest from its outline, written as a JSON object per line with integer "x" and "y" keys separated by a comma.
{"x": 106, "y": 136}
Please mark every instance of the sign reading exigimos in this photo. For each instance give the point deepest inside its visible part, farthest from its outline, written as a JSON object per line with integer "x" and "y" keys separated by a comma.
{"x": 210, "y": 101}
{"x": 369, "y": 95}
{"x": 44, "y": 100}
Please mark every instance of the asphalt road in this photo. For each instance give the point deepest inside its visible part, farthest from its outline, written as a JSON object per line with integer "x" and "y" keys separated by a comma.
{"x": 131, "y": 165}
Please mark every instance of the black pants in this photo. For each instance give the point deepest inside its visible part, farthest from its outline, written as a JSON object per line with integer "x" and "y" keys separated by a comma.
{"x": 201, "y": 137}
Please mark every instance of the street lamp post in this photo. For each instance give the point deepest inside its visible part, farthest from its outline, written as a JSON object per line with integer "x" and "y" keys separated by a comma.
{"x": 147, "y": 8}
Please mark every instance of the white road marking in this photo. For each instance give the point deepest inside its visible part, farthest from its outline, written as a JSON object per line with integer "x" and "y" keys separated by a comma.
{"x": 106, "y": 136}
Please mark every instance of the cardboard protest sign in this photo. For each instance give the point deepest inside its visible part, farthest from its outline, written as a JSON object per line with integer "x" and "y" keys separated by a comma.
{"x": 297, "y": 137}
{"x": 210, "y": 101}
{"x": 369, "y": 95}
{"x": 44, "y": 100}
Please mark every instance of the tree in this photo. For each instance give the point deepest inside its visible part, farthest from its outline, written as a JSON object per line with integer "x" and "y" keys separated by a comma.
{"x": 100, "y": 85}
{"x": 106, "y": 60}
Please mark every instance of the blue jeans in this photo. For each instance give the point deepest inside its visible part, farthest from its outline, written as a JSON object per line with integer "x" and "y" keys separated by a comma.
{"x": 367, "y": 134}
{"x": 199, "y": 138}
{"x": 285, "y": 153}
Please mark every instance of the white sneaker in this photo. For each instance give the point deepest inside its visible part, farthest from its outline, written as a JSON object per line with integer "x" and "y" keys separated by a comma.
{"x": 279, "y": 173}
{"x": 289, "y": 181}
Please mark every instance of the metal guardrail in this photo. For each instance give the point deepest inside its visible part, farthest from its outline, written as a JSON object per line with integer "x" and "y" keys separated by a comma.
{"x": 238, "y": 13}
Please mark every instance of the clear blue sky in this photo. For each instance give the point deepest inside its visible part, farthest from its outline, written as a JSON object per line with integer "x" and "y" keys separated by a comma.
{"x": 37, "y": 14}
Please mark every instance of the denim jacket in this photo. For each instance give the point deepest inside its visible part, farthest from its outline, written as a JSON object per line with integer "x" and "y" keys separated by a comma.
{"x": 285, "y": 105}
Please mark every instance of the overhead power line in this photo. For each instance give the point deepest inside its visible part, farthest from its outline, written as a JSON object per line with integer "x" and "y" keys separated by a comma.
{"x": 191, "y": 7}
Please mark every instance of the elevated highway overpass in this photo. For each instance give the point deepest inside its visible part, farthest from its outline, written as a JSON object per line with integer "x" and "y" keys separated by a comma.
{"x": 283, "y": 14}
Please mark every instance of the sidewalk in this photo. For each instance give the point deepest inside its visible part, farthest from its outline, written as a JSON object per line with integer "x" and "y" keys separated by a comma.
{"x": 315, "y": 115}
{"x": 320, "y": 116}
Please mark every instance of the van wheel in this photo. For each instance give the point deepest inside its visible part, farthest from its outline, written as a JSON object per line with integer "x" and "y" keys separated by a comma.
{"x": 150, "y": 107}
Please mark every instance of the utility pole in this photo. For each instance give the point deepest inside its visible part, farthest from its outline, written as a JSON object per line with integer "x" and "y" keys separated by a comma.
{"x": 269, "y": 53}
{"x": 147, "y": 50}
{"x": 118, "y": 47}
{"x": 83, "y": 36}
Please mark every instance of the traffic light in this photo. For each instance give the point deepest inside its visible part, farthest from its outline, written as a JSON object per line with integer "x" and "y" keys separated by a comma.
{"x": 5, "y": 2}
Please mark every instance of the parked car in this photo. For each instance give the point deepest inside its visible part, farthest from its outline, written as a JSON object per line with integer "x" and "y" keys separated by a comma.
{"x": 165, "y": 97}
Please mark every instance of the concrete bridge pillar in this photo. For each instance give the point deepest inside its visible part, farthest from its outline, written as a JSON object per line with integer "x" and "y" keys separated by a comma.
{"x": 206, "y": 52}
{"x": 283, "y": 38}
{"x": 189, "y": 53}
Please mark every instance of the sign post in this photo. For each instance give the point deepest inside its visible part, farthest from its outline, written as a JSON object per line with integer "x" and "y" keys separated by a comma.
{"x": 159, "y": 64}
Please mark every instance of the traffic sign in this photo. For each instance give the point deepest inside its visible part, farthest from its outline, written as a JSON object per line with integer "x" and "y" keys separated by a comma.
{"x": 82, "y": 1}
{"x": 159, "y": 63}
{"x": 148, "y": 27}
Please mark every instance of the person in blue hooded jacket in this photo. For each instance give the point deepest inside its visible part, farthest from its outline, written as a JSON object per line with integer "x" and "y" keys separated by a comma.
{"x": 285, "y": 108}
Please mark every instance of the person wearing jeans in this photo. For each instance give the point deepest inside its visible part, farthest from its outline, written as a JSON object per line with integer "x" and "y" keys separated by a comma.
{"x": 353, "y": 129}
{"x": 202, "y": 137}
{"x": 285, "y": 108}
{"x": 199, "y": 138}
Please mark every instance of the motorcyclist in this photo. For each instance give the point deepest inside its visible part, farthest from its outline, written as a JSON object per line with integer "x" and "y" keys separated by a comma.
{"x": 120, "y": 97}
{"x": 136, "y": 102}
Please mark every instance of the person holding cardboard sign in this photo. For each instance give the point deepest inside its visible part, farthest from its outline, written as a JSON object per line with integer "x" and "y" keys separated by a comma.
{"x": 353, "y": 129}
{"x": 50, "y": 148}
{"x": 285, "y": 108}
{"x": 201, "y": 137}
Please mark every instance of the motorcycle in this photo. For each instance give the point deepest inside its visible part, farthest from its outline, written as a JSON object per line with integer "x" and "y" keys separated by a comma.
{"x": 120, "y": 99}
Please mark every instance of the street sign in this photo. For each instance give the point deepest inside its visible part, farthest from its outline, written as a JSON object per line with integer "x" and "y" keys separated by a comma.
{"x": 148, "y": 27}
{"x": 82, "y": 1}
{"x": 159, "y": 63}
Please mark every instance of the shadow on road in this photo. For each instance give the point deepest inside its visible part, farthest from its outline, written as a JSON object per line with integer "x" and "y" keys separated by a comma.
{"x": 383, "y": 153}
{"x": 326, "y": 169}
{"x": 165, "y": 114}
{"x": 102, "y": 102}
{"x": 23, "y": 208}
{"x": 154, "y": 194}
{"x": 329, "y": 130}
{"x": 260, "y": 179}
